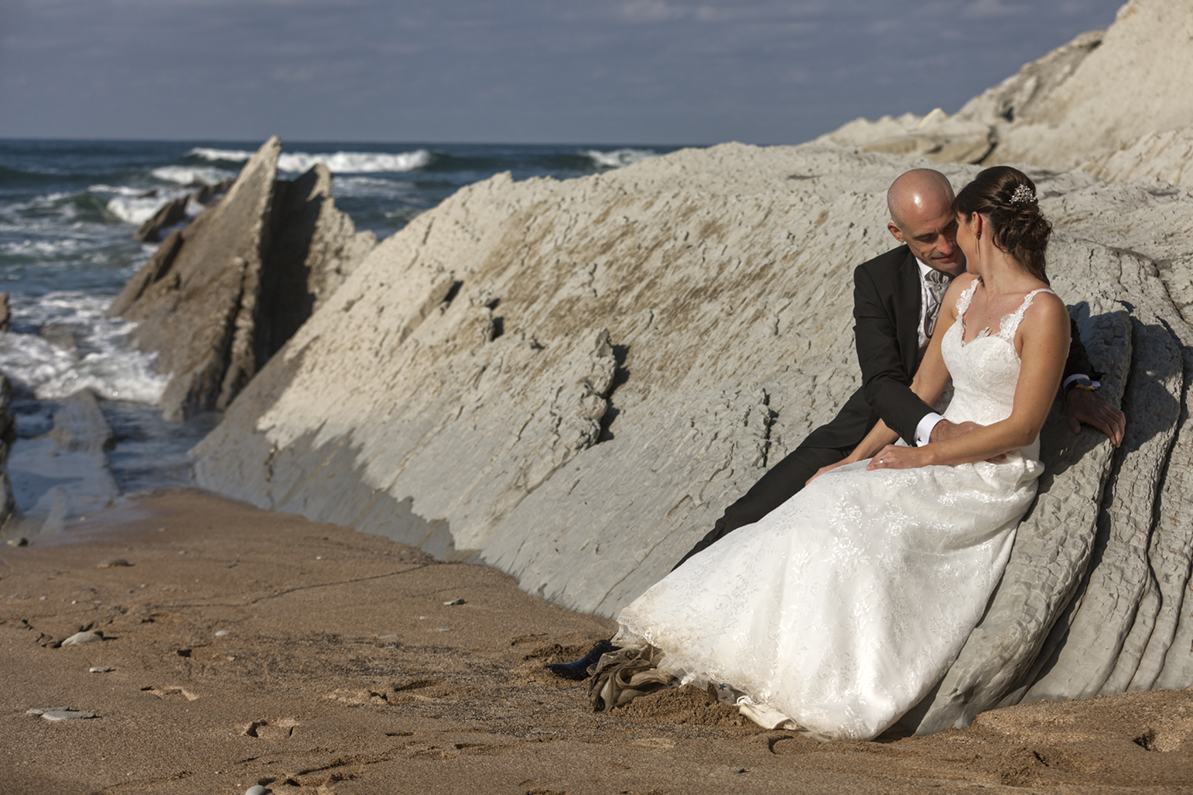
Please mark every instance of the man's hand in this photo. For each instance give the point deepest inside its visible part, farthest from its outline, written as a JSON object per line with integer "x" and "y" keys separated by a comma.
{"x": 945, "y": 430}
{"x": 1090, "y": 408}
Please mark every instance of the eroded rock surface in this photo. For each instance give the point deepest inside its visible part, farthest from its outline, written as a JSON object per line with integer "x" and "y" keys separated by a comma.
{"x": 571, "y": 380}
{"x": 1106, "y": 102}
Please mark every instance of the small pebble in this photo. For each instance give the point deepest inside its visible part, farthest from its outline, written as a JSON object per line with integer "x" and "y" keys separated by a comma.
{"x": 82, "y": 637}
{"x": 61, "y": 713}
{"x": 454, "y": 602}
{"x": 256, "y": 789}
{"x": 230, "y": 565}
{"x": 223, "y": 633}
{"x": 18, "y": 542}
{"x": 445, "y": 629}
{"x": 99, "y": 669}
{"x": 113, "y": 563}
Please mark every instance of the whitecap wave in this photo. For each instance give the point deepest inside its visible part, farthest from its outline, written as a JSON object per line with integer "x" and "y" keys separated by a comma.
{"x": 45, "y": 248}
{"x": 136, "y": 209}
{"x": 356, "y": 162}
{"x": 338, "y": 162}
{"x": 619, "y": 157}
{"x": 104, "y": 361}
{"x": 229, "y": 155}
{"x": 192, "y": 175}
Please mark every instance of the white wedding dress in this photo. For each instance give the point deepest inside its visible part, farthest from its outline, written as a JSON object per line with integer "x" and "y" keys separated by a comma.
{"x": 843, "y": 607}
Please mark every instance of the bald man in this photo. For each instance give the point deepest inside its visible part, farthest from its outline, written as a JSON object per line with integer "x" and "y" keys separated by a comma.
{"x": 894, "y": 312}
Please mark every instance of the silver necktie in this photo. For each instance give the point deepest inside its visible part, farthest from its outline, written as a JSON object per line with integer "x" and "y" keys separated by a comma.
{"x": 938, "y": 284}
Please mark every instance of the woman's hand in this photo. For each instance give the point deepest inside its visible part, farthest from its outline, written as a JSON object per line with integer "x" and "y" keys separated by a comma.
{"x": 896, "y": 457}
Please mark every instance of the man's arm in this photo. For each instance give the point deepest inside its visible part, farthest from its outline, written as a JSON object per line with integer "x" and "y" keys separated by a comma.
{"x": 885, "y": 385}
{"x": 1087, "y": 407}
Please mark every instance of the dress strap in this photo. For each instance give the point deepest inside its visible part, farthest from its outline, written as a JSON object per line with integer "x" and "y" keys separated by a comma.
{"x": 966, "y": 296}
{"x": 1010, "y": 323}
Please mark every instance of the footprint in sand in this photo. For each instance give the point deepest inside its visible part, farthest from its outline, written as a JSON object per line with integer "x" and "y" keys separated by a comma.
{"x": 171, "y": 693}
{"x": 270, "y": 729}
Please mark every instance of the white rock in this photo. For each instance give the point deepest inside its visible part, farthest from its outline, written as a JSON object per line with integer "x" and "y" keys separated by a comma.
{"x": 82, "y": 637}
{"x": 61, "y": 713}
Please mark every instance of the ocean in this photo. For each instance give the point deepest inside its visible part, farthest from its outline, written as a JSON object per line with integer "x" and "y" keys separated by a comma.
{"x": 67, "y": 212}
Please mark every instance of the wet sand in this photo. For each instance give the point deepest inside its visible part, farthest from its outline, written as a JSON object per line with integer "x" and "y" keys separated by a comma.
{"x": 249, "y": 647}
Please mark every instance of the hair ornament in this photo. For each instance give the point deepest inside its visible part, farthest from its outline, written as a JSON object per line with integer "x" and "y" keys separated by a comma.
{"x": 1023, "y": 195}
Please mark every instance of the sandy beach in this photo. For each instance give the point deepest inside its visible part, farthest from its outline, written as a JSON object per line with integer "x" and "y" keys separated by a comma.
{"x": 248, "y": 647}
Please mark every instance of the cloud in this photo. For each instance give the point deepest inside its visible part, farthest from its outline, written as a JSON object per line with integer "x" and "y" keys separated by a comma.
{"x": 985, "y": 9}
{"x": 652, "y": 11}
{"x": 632, "y": 71}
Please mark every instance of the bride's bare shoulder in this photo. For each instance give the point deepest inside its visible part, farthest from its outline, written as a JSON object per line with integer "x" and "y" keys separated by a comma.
{"x": 1047, "y": 312}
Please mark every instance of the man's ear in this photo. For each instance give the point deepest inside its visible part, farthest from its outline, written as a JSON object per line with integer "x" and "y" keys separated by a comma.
{"x": 896, "y": 232}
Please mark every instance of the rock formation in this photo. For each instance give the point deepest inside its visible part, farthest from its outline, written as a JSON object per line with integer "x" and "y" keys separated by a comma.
{"x": 219, "y": 296}
{"x": 8, "y": 435}
{"x": 570, "y": 381}
{"x": 65, "y": 473}
{"x": 175, "y": 211}
{"x": 1107, "y": 102}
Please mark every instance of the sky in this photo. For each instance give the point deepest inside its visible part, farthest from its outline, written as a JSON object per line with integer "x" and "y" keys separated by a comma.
{"x": 507, "y": 71}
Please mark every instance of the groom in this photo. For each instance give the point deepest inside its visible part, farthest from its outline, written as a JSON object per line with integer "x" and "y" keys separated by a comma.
{"x": 896, "y": 299}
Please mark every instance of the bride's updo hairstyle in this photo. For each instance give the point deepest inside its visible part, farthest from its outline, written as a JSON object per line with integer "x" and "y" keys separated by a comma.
{"x": 1007, "y": 198}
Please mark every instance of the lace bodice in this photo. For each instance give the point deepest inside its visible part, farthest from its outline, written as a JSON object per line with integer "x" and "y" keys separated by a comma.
{"x": 985, "y": 370}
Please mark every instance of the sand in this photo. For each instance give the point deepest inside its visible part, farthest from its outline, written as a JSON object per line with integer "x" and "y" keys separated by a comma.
{"x": 249, "y": 647}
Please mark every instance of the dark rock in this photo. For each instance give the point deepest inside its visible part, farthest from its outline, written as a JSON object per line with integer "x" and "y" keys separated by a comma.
{"x": 79, "y": 425}
{"x": 170, "y": 213}
{"x": 222, "y": 295}
{"x": 194, "y": 301}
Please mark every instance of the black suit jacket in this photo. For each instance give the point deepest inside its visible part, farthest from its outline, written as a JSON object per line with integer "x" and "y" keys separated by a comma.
{"x": 887, "y": 295}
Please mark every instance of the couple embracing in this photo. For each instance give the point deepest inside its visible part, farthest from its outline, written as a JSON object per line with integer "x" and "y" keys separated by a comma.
{"x": 835, "y": 608}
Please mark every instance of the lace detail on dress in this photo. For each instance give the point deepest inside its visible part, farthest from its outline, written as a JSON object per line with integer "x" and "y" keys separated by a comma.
{"x": 1009, "y": 323}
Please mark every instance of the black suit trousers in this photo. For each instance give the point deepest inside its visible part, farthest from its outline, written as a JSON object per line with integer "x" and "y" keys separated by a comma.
{"x": 778, "y": 485}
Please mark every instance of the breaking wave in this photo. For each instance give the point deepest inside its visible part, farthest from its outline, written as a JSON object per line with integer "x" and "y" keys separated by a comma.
{"x": 619, "y": 157}
{"x": 338, "y": 162}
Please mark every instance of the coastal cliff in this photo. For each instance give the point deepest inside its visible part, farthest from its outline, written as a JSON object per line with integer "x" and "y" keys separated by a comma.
{"x": 1109, "y": 102}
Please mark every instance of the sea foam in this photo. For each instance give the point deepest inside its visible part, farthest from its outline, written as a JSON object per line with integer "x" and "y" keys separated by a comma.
{"x": 103, "y": 362}
{"x": 137, "y": 209}
{"x": 619, "y": 157}
{"x": 338, "y": 162}
{"x": 191, "y": 175}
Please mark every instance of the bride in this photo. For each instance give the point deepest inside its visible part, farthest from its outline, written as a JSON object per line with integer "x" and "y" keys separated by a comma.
{"x": 837, "y": 612}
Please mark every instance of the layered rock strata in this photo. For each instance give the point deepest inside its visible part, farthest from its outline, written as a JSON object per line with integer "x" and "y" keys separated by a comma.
{"x": 219, "y": 296}
{"x": 1109, "y": 102}
{"x": 571, "y": 380}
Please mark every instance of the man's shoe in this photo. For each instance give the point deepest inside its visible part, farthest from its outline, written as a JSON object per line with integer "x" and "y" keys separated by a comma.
{"x": 578, "y": 669}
